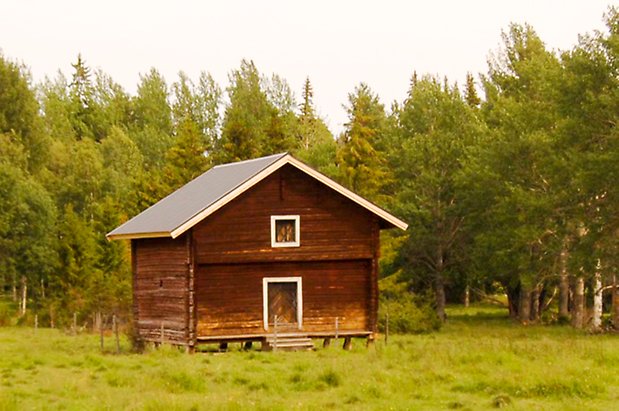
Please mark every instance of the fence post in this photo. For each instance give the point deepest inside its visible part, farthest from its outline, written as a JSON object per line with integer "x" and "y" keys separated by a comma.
{"x": 275, "y": 333}
{"x": 115, "y": 324}
{"x": 387, "y": 326}
{"x": 161, "y": 342}
{"x": 74, "y": 323}
{"x": 36, "y": 321}
{"x": 100, "y": 330}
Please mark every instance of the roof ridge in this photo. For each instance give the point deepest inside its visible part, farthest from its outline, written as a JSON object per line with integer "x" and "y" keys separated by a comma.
{"x": 234, "y": 163}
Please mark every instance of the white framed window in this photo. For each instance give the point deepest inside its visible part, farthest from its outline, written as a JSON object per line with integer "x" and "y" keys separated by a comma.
{"x": 297, "y": 300}
{"x": 285, "y": 231}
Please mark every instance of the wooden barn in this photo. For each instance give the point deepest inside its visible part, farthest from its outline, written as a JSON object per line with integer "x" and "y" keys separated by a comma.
{"x": 263, "y": 250}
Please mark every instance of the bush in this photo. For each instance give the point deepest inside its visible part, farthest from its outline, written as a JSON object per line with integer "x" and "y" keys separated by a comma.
{"x": 8, "y": 311}
{"x": 133, "y": 335}
{"x": 408, "y": 313}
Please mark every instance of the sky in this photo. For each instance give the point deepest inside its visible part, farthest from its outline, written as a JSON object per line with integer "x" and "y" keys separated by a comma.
{"x": 338, "y": 44}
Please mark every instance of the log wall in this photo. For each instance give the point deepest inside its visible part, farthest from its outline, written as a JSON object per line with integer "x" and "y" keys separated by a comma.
{"x": 229, "y": 296}
{"x": 161, "y": 288}
{"x": 332, "y": 226}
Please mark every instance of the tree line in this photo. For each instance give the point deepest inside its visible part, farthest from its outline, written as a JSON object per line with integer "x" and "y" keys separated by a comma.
{"x": 510, "y": 182}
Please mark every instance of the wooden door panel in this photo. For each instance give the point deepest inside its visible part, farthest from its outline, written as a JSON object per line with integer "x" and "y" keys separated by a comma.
{"x": 283, "y": 303}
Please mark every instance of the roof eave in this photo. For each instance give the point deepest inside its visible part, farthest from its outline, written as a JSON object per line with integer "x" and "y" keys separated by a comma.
{"x": 135, "y": 236}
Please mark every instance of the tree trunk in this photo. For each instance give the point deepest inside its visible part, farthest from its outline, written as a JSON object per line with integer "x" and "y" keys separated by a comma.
{"x": 596, "y": 322}
{"x": 564, "y": 286}
{"x": 513, "y": 301}
{"x": 525, "y": 305}
{"x": 615, "y": 301}
{"x": 535, "y": 306}
{"x": 24, "y": 296}
{"x": 14, "y": 288}
{"x": 578, "y": 314}
{"x": 467, "y": 297}
{"x": 439, "y": 290}
{"x": 439, "y": 285}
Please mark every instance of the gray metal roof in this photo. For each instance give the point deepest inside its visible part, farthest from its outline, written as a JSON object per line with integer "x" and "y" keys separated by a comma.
{"x": 182, "y": 205}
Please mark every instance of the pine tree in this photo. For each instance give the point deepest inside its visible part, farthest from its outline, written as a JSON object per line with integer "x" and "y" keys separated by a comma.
{"x": 470, "y": 92}
{"x": 82, "y": 101}
{"x": 317, "y": 146}
{"x": 307, "y": 107}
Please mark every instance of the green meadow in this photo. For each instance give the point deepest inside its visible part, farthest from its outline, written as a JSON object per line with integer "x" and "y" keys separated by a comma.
{"x": 479, "y": 360}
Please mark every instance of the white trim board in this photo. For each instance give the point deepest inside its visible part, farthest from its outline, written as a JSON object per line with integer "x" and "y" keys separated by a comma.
{"x": 265, "y": 298}
{"x": 297, "y": 231}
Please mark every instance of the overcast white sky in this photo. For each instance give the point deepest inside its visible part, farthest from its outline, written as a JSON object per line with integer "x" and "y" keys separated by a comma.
{"x": 336, "y": 43}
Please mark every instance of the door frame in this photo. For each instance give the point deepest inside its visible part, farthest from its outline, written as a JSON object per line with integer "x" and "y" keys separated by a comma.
{"x": 265, "y": 297}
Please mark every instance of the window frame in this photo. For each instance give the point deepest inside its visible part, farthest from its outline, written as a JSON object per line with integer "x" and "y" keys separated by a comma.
{"x": 297, "y": 231}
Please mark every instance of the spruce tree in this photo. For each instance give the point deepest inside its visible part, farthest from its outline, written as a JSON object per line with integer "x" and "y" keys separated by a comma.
{"x": 361, "y": 165}
{"x": 470, "y": 91}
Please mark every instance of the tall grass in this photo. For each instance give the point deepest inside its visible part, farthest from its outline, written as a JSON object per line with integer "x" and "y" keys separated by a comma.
{"x": 479, "y": 360}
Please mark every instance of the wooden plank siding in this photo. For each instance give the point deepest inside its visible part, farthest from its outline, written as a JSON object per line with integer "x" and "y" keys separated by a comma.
{"x": 161, "y": 288}
{"x": 332, "y": 226}
{"x": 337, "y": 258}
{"x": 230, "y": 296}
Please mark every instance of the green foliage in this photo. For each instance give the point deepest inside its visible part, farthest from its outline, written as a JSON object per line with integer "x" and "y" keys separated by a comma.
{"x": 258, "y": 120}
{"x": 470, "y": 91}
{"x": 405, "y": 312}
{"x": 152, "y": 124}
{"x": 19, "y": 113}
{"x": 27, "y": 243}
{"x": 186, "y": 158}
{"x": 317, "y": 147}
{"x": 429, "y": 150}
{"x": 362, "y": 165}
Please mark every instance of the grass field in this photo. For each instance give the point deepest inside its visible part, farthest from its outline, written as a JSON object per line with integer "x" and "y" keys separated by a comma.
{"x": 479, "y": 360}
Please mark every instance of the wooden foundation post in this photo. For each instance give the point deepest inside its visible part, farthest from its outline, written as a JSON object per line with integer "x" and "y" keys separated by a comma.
{"x": 337, "y": 327}
{"x": 223, "y": 346}
{"x": 247, "y": 345}
{"x": 326, "y": 343}
{"x": 347, "y": 343}
{"x": 370, "y": 341}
